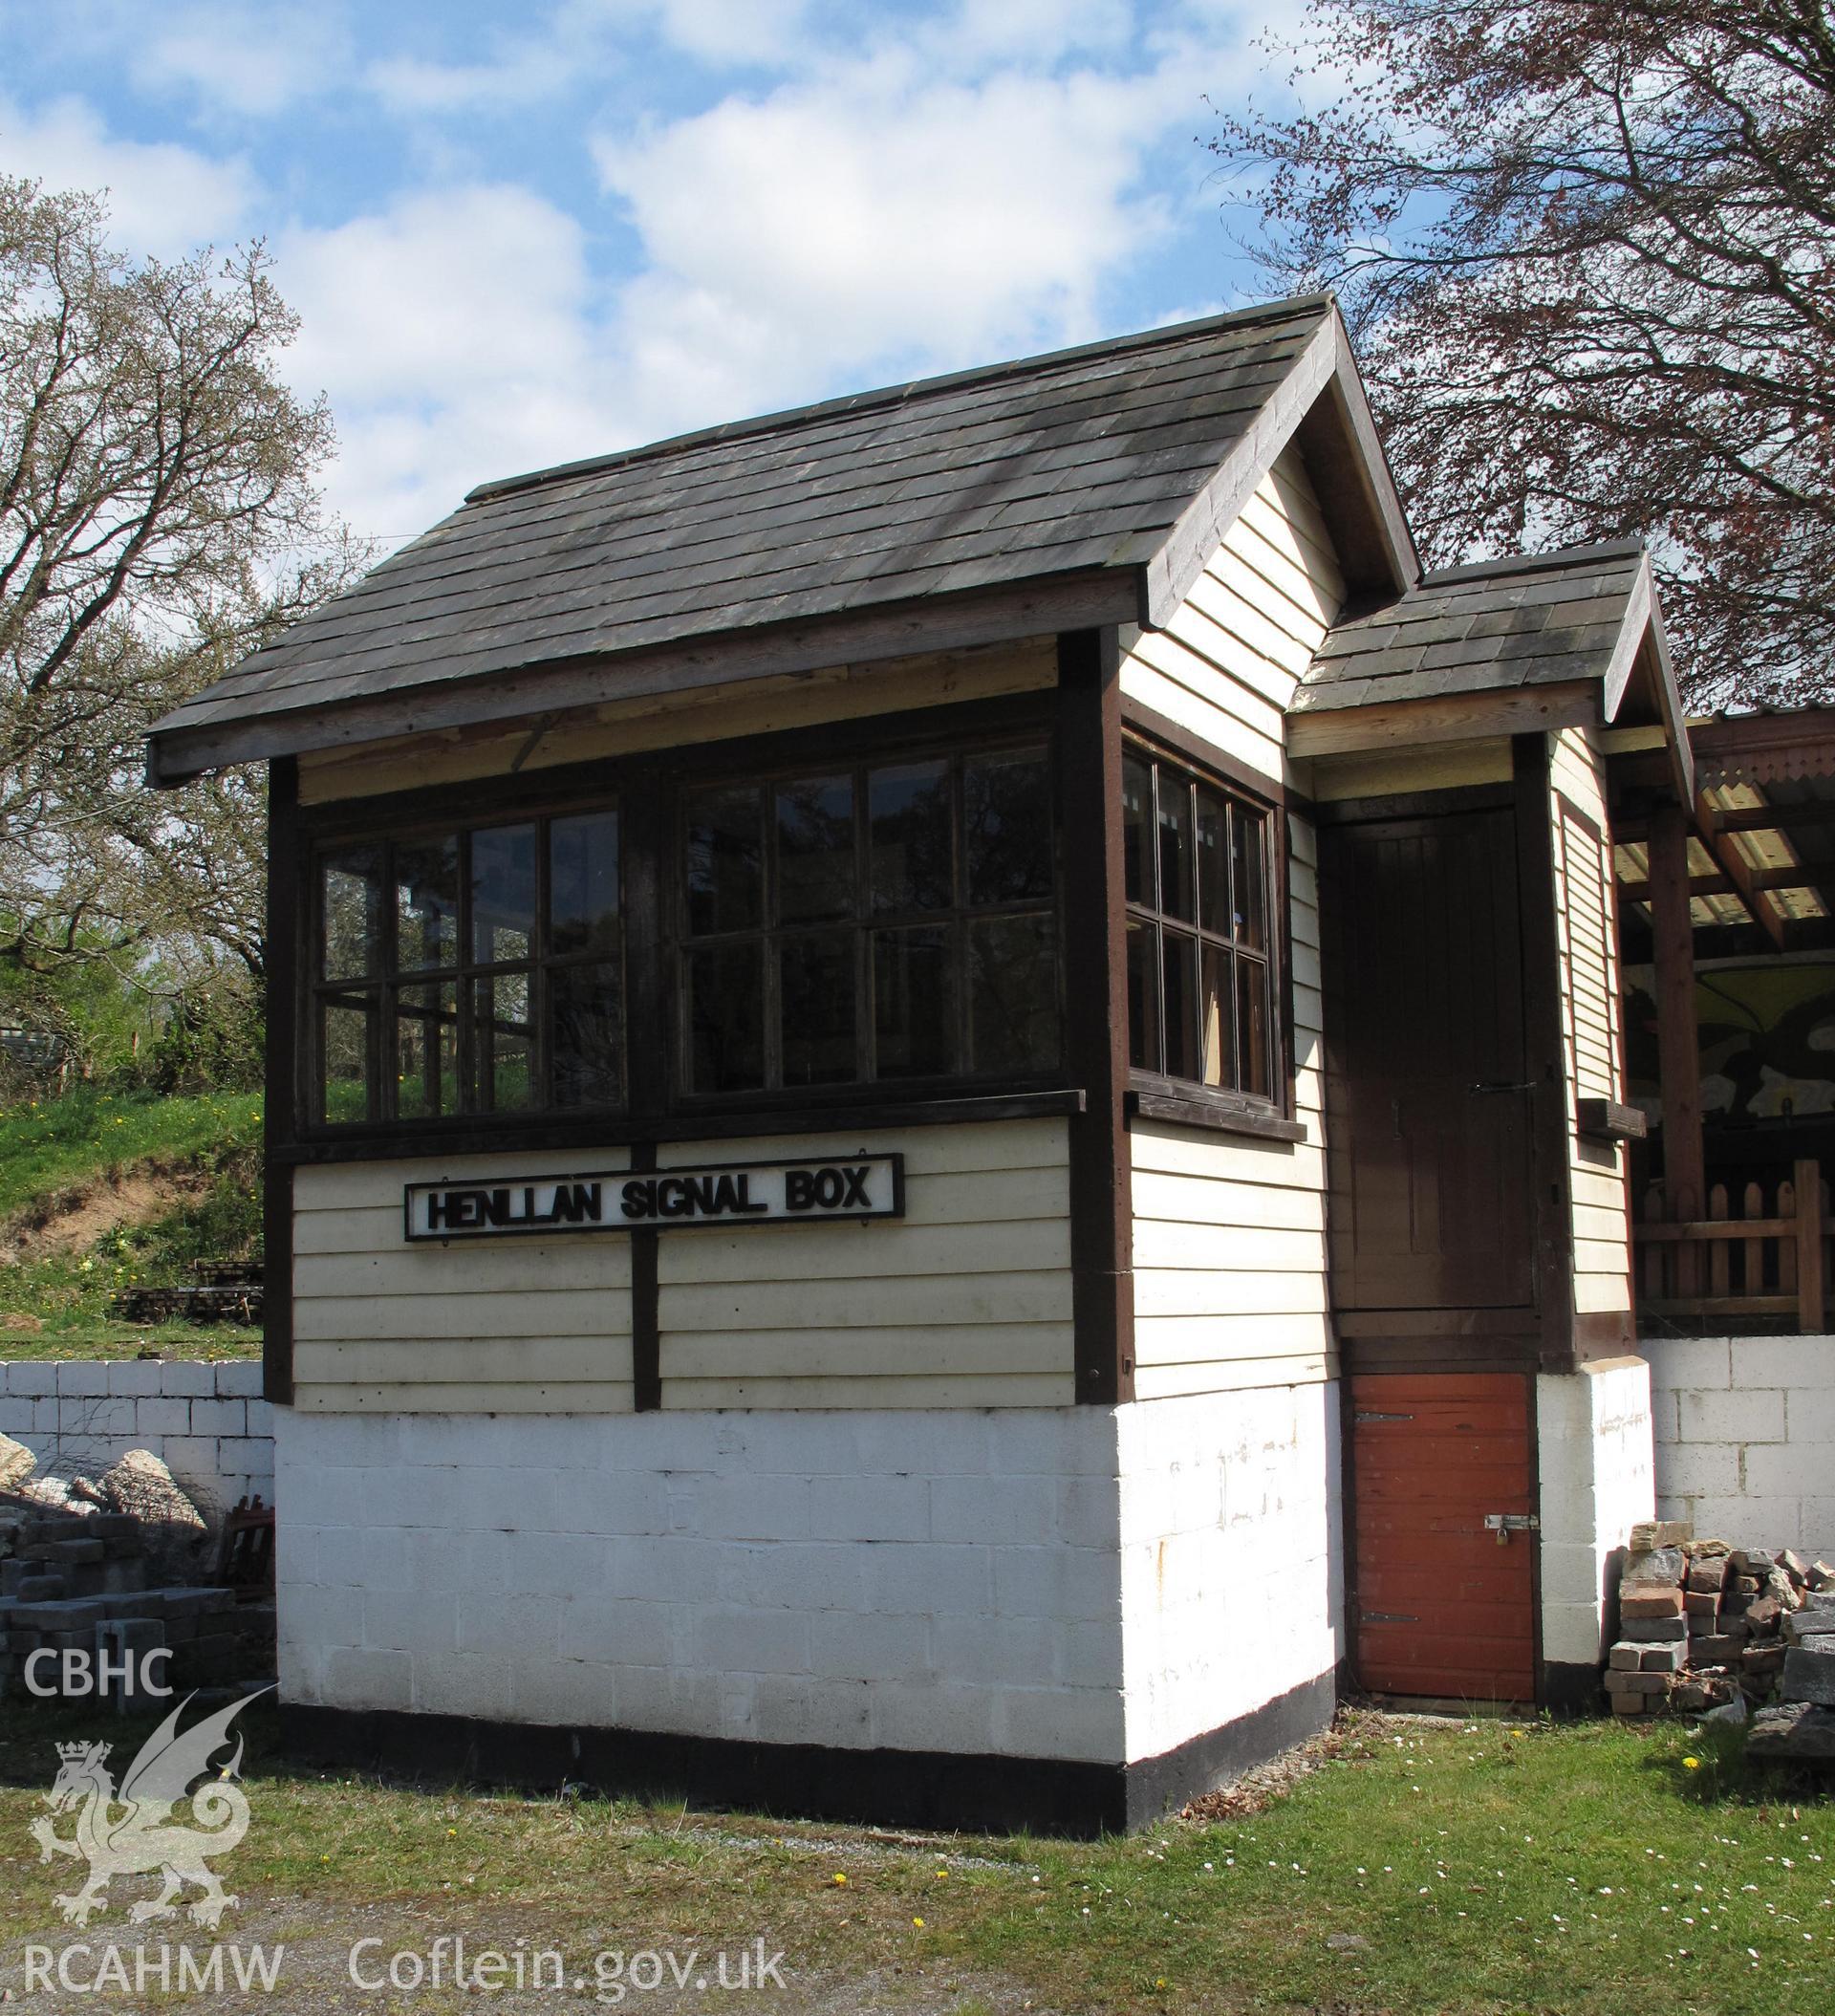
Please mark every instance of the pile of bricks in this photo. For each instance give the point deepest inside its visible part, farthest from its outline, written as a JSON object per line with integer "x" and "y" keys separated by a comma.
{"x": 73, "y": 1584}
{"x": 1702, "y": 1624}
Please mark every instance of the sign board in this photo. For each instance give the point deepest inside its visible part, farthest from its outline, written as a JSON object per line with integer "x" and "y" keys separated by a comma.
{"x": 854, "y": 1186}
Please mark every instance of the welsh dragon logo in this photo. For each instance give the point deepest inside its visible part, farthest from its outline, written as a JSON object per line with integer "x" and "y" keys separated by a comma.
{"x": 131, "y": 1832}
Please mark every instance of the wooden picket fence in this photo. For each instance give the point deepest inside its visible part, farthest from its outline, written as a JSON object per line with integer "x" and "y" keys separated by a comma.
{"x": 1752, "y": 1255}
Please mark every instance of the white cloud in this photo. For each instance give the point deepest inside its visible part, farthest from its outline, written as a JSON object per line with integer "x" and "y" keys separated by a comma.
{"x": 456, "y": 336}
{"x": 162, "y": 198}
{"x": 248, "y": 61}
{"x": 876, "y": 214}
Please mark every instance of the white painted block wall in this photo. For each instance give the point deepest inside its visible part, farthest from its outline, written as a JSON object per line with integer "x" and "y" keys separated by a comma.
{"x": 206, "y": 1421}
{"x": 927, "y": 1580}
{"x": 1594, "y": 1439}
{"x": 1745, "y": 1437}
{"x": 1231, "y": 1568}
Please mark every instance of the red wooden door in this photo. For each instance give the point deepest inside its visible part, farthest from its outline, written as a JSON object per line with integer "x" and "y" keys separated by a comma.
{"x": 1427, "y": 1085}
{"x": 1439, "y": 1606}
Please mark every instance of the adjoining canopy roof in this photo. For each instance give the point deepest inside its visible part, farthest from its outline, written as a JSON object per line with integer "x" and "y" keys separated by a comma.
{"x": 1097, "y": 479}
{"x": 1762, "y": 860}
{"x": 1542, "y": 619}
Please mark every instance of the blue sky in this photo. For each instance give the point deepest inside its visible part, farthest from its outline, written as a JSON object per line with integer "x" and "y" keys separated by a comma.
{"x": 518, "y": 235}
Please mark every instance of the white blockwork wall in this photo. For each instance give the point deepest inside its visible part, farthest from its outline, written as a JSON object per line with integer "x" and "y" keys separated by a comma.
{"x": 1745, "y": 1437}
{"x": 1593, "y": 1437}
{"x": 206, "y": 1420}
{"x": 945, "y": 1580}
{"x": 1231, "y": 1568}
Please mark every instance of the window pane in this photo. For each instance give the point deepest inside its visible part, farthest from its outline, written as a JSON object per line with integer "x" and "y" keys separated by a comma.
{"x": 1013, "y": 993}
{"x": 1143, "y": 997}
{"x": 1006, "y": 826}
{"x": 1212, "y": 863}
{"x": 352, "y": 884}
{"x": 1251, "y": 879}
{"x": 914, "y": 1002}
{"x": 583, "y": 883}
{"x": 587, "y": 1040}
{"x": 1253, "y": 1012}
{"x": 908, "y": 807}
{"x": 426, "y": 1051}
{"x": 1179, "y": 982}
{"x": 347, "y": 1046}
{"x": 1217, "y": 1019}
{"x": 1176, "y": 847}
{"x": 503, "y": 1043}
{"x": 815, "y": 871}
{"x": 427, "y": 904}
{"x": 815, "y": 993}
{"x": 503, "y": 894}
{"x": 1136, "y": 824}
{"x": 725, "y": 860}
{"x": 726, "y": 1018}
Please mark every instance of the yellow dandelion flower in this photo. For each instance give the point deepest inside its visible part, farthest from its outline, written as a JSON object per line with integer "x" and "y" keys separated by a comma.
{"x": 1691, "y": 1764}
{"x": 918, "y": 1922}
{"x": 840, "y": 1881}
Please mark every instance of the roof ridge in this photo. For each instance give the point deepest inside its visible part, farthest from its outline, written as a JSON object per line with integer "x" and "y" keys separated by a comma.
{"x": 889, "y": 396}
{"x": 1532, "y": 563}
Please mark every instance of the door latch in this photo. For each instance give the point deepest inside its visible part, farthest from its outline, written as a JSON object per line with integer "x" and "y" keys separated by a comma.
{"x": 1505, "y": 1524}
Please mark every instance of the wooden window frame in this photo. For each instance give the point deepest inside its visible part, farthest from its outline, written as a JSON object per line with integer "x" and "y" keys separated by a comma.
{"x": 389, "y": 979}
{"x": 1158, "y": 1094}
{"x": 861, "y": 923}
{"x": 648, "y": 787}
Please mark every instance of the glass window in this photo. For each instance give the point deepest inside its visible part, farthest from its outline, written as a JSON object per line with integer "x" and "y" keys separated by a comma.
{"x": 904, "y": 927}
{"x": 815, "y": 871}
{"x": 725, "y": 860}
{"x": 427, "y": 904}
{"x": 911, "y": 837}
{"x": 583, "y": 884}
{"x": 351, "y": 893}
{"x": 1006, "y": 828}
{"x": 1200, "y": 985}
{"x": 477, "y": 971}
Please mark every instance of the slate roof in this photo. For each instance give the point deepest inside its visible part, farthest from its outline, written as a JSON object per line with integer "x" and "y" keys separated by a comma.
{"x": 1083, "y": 460}
{"x": 1538, "y": 620}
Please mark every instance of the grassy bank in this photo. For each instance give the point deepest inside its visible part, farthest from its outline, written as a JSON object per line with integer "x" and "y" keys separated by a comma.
{"x": 1477, "y": 1870}
{"x": 99, "y": 1193}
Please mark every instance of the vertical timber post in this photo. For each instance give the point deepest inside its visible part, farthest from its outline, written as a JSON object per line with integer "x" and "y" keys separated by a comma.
{"x": 288, "y": 918}
{"x": 1678, "y": 1045}
{"x": 1095, "y": 981}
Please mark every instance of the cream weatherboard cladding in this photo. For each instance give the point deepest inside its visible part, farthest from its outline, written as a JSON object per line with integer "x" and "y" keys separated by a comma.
{"x": 1591, "y": 1032}
{"x": 966, "y": 1301}
{"x": 499, "y": 1326}
{"x": 1230, "y": 1272}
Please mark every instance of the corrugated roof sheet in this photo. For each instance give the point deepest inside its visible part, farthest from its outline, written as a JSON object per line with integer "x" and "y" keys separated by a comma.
{"x": 1518, "y": 622}
{"x": 1080, "y": 460}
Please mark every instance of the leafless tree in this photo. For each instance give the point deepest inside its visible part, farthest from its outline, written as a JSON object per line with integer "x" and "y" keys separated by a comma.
{"x": 159, "y": 516}
{"x": 1587, "y": 250}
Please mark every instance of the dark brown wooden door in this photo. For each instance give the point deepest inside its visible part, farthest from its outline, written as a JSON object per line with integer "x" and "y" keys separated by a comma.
{"x": 1428, "y": 1104}
{"x": 1439, "y": 1606}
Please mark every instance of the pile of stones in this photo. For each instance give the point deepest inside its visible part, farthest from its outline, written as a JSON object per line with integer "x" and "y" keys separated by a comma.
{"x": 97, "y": 1573}
{"x": 1706, "y": 1627}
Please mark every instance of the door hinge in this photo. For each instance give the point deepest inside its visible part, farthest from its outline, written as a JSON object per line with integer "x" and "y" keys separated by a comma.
{"x": 1384, "y": 1616}
{"x": 1510, "y": 1085}
{"x": 1367, "y": 1413}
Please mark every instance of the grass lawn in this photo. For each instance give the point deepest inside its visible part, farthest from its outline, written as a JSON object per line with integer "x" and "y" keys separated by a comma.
{"x": 1582, "y": 1870}
{"x": 59, "y": 1301}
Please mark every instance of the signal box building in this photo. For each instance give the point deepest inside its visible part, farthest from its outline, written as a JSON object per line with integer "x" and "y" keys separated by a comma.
{"x": 945, "y": 1113}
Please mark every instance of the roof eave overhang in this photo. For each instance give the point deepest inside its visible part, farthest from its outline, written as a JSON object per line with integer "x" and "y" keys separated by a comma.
{"x": 1392, "y": 726}
{"x": 554, "y": 688}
